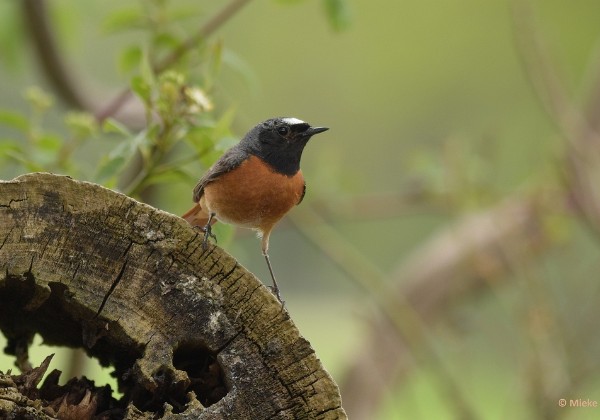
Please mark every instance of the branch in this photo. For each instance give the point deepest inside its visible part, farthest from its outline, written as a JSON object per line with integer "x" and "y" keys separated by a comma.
{"x": 64, "y": 82}
{"x": 204, "y": 32}
{"x": 466, "y": 257}
{"x": 35, "y": 19}
{"x": 190, "y": 43}
{"x": 456, "y": 263}
{"x": 582, "y": 156}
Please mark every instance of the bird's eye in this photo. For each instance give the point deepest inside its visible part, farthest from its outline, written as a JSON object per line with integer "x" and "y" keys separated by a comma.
{"x": 283, "y": 130}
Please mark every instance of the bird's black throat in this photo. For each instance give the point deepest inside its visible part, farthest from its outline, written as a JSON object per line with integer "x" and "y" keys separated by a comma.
{"x": 285, "y": 161}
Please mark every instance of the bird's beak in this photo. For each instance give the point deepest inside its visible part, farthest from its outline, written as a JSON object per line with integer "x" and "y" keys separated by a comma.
{"x": 315, "y": 130}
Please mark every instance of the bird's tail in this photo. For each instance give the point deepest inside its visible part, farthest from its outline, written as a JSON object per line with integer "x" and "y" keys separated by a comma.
{"x": 197, "y": 216}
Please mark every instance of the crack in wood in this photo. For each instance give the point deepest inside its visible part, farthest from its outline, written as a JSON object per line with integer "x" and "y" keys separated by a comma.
{"x": 335, "y": 408}
{"x": 207, "y": 252}
{"x": 254, "y": 317}
{"x": 151, "y": 337}
{"x": 214, "y": 264}
{"x": 221, "y": 273}
{"x": 151, "y": 288}
{"x": 192, "y": 240}
{"x": 112, "y": 288}
{"x": 29, "y": 271}
{"x": 45, "y": 246}
{"x": 127, "y": 249}
{"x": 311, "y": 376}
{"x": 75, "y": 272}
{"x": 150, "y": 254}
{"x": 231, "y": 340}
{"x": 13, "y": 200}
{"x": 193, "y": 251}
{"x": 229, "y": 273}
{"x": 6, "y": 237}
{"x": 247, "y": 295}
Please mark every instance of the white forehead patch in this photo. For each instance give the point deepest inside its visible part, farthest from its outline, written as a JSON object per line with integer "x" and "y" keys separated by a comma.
{"x": 292, "y": 121}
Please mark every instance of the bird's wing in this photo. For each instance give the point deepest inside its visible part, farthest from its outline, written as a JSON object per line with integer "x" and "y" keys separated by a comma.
{"x": 231, "y": 159}
{"x": 303, "y": 194}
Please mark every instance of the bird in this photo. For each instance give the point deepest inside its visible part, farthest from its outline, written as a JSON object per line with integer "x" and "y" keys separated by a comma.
{"x": 255, "y": 183}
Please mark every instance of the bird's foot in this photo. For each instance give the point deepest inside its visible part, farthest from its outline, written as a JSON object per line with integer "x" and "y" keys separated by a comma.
{"x": 207, "y": 234}
{"x": 275, "y": 290}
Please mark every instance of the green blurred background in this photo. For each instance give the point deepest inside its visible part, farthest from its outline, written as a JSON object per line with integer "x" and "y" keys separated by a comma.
{"x": 434, "y": 118}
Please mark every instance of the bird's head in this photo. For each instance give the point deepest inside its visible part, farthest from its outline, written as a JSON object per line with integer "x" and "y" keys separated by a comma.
{"x": 280, "y": 142}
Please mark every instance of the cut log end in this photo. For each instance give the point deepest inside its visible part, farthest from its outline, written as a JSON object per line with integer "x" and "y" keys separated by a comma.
{"x": 188, "y": 331}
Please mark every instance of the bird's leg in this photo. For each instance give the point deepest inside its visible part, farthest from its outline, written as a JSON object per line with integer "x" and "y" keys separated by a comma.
{"x": 207, "y": 229}
{"x": 265, "y": 251}
{"x": 275, "y": 287}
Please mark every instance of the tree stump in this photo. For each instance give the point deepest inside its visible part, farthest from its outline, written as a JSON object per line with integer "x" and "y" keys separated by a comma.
{"x": 190, "y": 333}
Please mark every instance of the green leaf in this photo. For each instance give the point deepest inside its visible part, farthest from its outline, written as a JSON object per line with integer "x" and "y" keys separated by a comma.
{"x": 49, "y": 143}
{"x": 39, "y": 99}
{"x": 141, "y": 88}
{"x": 166, "y": 40}
{"x": 338, "y": 13}
{"x": 199, "y": 138}
{"x": 9, "y": 146}
{"x": 212, "y": 136}
{"x": 112, "y": 165}
{"x": 122, "y": 20}
{"x": 146, "y": 69}
{"x": 130, "y": 58}
{"x": 111, "y": 125}
{"x": 81, "y": 124}
{"x": 14, "y": 120}
{"x": 18, "y": 156}
{"x": 109, "y": 169}
{"x": 144, "y": 83}
{"x": 170, "y": 84}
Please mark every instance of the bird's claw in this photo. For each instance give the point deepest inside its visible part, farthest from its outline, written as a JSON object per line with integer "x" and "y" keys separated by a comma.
{"x": 207, "y": 234}
{"x": 275, "y": 290}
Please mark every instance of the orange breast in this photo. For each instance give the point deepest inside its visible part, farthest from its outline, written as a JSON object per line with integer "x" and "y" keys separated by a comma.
{"x": 253, "y": 195}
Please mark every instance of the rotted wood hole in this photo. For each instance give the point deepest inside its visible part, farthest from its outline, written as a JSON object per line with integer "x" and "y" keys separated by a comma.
{"x": 80, "y": 398}
{"x": 203, "y": 370}
{"x": 189, "y": 332}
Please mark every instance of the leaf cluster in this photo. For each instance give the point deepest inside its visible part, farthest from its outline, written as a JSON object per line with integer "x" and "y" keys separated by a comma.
{"x": 172, "y": 70}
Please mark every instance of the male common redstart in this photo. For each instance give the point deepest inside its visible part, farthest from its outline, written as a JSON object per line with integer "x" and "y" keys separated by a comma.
{"x": 255, "y": 183}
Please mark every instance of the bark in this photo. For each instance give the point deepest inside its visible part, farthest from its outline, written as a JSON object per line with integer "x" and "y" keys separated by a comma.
{"x": 190, "y": 333}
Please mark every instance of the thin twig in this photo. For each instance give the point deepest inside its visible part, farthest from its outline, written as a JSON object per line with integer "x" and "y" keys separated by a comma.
{"x": 63, "y": 79}
{"x": 114, "y": 105}
{"x": 581, "y": 138}
{"x": 187, "y": 45}
{"x": 204, "y": 32}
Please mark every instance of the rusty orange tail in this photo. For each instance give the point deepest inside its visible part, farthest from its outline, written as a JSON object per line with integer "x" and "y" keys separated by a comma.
{"x": 197, "y": 216}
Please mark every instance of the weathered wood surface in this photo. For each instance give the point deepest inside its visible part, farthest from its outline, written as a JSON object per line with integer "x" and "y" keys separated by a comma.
{"x": 190, "y": 332}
